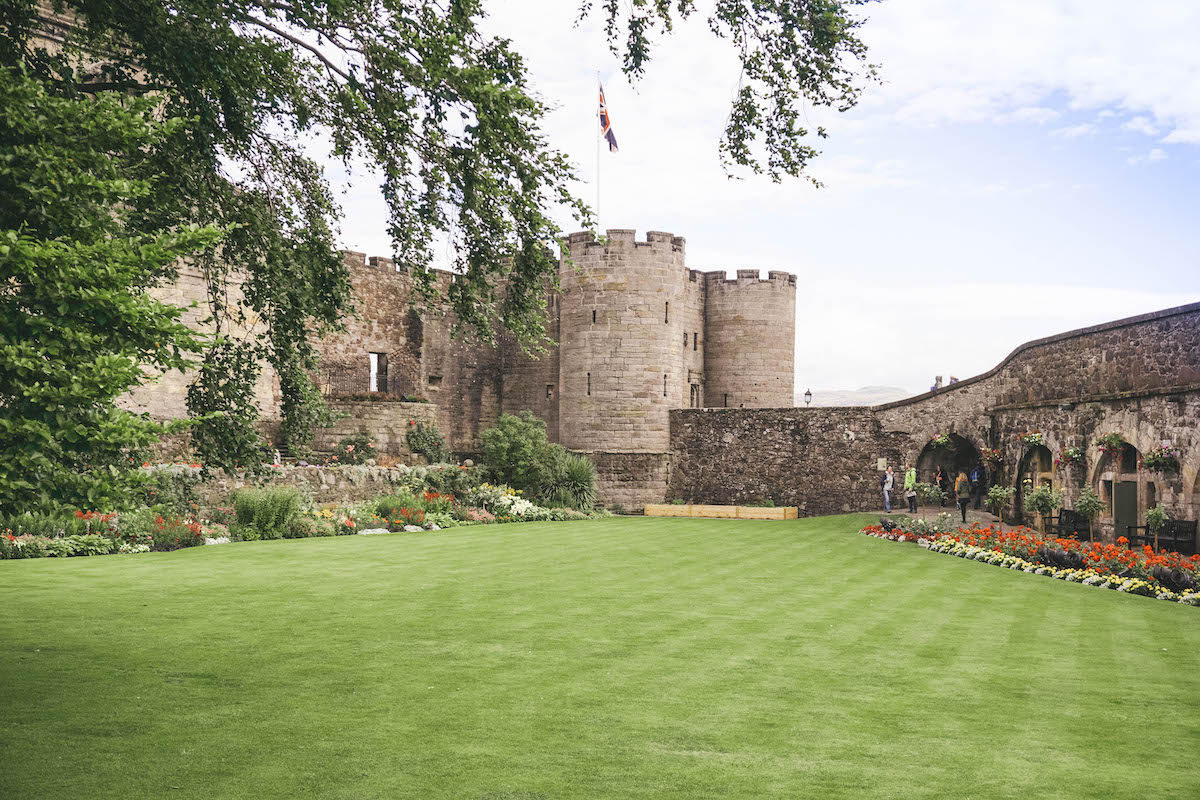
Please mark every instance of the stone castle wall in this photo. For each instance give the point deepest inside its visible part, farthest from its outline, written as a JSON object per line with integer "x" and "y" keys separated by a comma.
{"x": 821, "y": 460}
{"x": 1139, "y": 377}
{"x": 750, "y": 332}
{"x": 385, "y": 422}
{"x": 621, "y": 364}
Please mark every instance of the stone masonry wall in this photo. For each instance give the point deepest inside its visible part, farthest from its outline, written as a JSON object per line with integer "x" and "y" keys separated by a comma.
{"x": 385, "y": 422}
{"x": 1139, "y": 377}
{"x": 822, "y": 460}
{"x": 630, "y": 480}
{"x": 165, "y": 397}
{"x": 321, "y": 484}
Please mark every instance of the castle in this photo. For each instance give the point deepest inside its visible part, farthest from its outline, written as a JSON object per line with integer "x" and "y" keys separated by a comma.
{"x": 638, "y": 334}
{"x": 678, "y": 384}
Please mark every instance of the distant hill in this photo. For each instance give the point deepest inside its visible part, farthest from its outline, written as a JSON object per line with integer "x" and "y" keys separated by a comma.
{"x": 865, "y": 396}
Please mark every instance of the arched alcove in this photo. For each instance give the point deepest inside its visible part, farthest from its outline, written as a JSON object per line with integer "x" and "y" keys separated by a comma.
{"x": 959, "y": 456}
{"x": 1125, "y": 489}
{"x": 1036, "y": 468}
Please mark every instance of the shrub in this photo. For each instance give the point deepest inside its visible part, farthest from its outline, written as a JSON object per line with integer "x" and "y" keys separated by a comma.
{"x": 518, "y": 454}
{"x": 1089, "y": 504}
{"x": 50, "y": 526}
{"x": 264, "y": 513}
{"x": 1157, "y": 517}
{"x": 929, "y": 493}
{"x": 998, "y": 498}
{"x": 356, "y": 449}
{"x": 458, "y": 481}
{"x": 174, "y": 533}
{"x": 304, "y": 527}
{"x": 426, "y": 441}
{"x": 571, "y": 482}
{"x": 1043, "y": 500}
{"x": 387, "y": 507}
{"x": 171, "y": 491}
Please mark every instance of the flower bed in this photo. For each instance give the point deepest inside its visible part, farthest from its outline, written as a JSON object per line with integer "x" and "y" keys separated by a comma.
{"x": 424, "y": 503}
{"x": 1163, "y": 575}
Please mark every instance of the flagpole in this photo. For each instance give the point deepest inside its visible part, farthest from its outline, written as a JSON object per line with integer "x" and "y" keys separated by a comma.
{"x": 596, "y": 125}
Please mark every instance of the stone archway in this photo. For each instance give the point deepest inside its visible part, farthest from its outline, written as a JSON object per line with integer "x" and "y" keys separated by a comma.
{"x": 960, "y": 456}
{"x": 1126, "y": 490}
{"x": 1037, "y": 467}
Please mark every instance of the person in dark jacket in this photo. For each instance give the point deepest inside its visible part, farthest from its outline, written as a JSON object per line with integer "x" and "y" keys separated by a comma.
{"x": 976, "y": 478}
{"x": 942, "y": 481}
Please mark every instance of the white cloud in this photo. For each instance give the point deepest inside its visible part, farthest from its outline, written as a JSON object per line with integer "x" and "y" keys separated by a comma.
{"x": 1183, "y": 136}
{"x": 1156, "y": 154}
{"x": 1075, "y": 131}
{"x": 1033, "y": 114}
{"x": 1140, "y": 125}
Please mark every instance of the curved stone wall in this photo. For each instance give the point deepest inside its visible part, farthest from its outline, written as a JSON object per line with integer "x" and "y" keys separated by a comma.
{"x": 750, "y": 332}
{"x": 622, "y": 319}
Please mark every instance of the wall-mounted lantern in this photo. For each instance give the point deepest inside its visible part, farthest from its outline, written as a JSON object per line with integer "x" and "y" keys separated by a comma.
{"x": 807, "y": 396}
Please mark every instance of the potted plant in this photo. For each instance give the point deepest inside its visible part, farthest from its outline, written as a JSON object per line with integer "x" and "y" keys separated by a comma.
{"x": 1156, "y": 518}
{"x": 1031, "y": 439}
{"x": 1110, "y": 444}
{"x": 992, "y": 457}
{"x": 1161, "y": 459}
{"x": 1089, "y": 505}
{"x": 998, "y": 499}
{"x": 1070, "y": 457}
{"x": 941, "y": 441}
{"x": 1043, "y": 501}
{"x": 928, "y": 493}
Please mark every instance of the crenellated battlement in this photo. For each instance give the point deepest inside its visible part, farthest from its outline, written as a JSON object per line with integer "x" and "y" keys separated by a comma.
{"x": 380, "y": 266}
{"x": 745, "y": 277}
{"x": 624, "y": 238}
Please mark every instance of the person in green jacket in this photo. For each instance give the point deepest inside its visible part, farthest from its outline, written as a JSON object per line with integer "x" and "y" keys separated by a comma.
{"x": 910, "y": 487}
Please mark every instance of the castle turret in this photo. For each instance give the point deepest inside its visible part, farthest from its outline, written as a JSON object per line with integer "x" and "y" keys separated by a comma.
{"x": 626, "y": 308}
{"x": 750, "y": 333}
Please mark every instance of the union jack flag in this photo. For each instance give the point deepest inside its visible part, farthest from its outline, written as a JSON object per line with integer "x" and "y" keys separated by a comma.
{"x": 606, "y": 124}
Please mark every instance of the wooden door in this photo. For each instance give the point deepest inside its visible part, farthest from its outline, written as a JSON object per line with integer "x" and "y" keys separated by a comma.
{"x": 1125, "y": 509}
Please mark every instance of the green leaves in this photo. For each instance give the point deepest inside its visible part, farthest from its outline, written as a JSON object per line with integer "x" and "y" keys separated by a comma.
{"x": 793, "y": 53}
{"x": 77, "y": 329}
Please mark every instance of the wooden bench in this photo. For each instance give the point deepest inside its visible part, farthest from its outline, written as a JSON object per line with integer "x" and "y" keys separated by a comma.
{"x": 1069, "y": 524}
{"x": 1177, "y": 534}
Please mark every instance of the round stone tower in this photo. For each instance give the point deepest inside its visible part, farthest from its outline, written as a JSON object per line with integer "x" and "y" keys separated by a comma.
{"x": 751, "y": 339}
{"x": 625, "y": 309}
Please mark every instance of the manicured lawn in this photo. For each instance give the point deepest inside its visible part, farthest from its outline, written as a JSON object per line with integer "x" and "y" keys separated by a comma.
{"x": 618, "y": 658}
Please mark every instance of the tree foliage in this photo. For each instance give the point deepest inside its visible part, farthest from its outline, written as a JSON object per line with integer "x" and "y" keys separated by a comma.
{"x": 415, "y": 90}
{"x": 76, "y": 324}
{"x": 792, "y": 52}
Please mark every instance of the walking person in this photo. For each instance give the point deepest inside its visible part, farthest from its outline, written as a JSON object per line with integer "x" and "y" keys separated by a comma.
{"x": 910, "y": 487}
{"x": 887, "y": 481}
{"x": 962, "y": 490}
{"x": 942, "y": 481}
{"x": 977, "y": 483}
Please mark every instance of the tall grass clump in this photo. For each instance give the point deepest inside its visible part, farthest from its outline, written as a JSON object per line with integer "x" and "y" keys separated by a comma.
{"x": 264, "y": 513}
{"x": 571, "y": 482}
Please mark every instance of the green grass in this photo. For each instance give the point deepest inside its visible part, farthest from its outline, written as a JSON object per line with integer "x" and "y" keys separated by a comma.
{"x": 664, "y": 658}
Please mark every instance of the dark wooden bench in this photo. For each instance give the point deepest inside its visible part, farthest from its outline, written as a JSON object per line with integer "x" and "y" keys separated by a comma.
{"x": 1177, "y": 534}
{"x": 1069, "y": 524}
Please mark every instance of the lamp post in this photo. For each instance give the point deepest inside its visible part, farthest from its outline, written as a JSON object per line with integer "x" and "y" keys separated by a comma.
{"x": 807, "y": 396}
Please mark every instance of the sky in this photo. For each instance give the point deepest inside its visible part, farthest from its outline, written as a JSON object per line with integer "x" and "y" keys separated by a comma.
{"x": 1026, "y": 168}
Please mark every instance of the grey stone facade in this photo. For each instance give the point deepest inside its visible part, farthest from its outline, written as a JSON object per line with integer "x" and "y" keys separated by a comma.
{"x": 1139, "y": 377}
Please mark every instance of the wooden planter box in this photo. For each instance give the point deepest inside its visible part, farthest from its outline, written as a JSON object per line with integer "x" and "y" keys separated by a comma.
{"x": 721, "y": 512}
